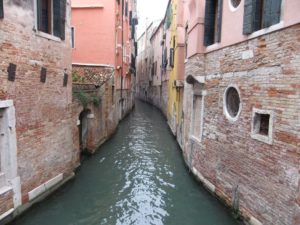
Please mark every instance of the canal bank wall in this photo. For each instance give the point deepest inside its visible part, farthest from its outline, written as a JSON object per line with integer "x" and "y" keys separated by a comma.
{"x": 239, "y": 111}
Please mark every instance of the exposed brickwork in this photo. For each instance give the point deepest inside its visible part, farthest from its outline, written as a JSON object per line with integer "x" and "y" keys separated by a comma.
{"x": 43, "y": 110}
{"x": 6, "y": 200}
{"x": 107, "y": 114}
{"x": 267, "y": 176}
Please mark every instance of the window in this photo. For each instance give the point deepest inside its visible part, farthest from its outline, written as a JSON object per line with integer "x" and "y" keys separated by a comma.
{"x": 186, "y": 41}
{"x": 262, "y": 123}
{"x": 235, "y": 3}
{"x": 172, "y": 57}
{"x": 126, "y": 9}
{"x": 1, "y": 9}
{"x": 213, "y": 21}
{"x": 73, "y": 37}
{"x": 51, "y": 17}
{"x": 232, "y": 103}
{"x": 259, "y": 14}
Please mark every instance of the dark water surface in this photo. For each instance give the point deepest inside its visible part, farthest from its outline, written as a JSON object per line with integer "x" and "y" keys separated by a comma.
{"x": 136, "y": 178}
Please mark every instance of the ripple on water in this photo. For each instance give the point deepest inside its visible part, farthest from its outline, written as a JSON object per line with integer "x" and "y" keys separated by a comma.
{"x": 136, "y": 178}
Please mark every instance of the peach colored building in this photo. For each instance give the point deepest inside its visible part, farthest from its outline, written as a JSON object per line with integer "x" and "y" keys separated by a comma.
{"x": 104, "y": 36}
{"x": 93, "y": 24}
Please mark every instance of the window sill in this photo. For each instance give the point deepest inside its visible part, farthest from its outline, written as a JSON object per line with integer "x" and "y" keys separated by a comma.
{"x": 262, "y": 138}
{"x": 47, "y": 36}
{"x": 267, "y": 30}
{"x": 213, "y": 47}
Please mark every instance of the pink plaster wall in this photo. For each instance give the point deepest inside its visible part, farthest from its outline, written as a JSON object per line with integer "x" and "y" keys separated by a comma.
{"x": 94, "y": 23}
{"x": 232, "y": 24}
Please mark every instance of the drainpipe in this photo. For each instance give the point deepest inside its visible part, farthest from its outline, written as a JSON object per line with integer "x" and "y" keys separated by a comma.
{"x": 122, "y": 25}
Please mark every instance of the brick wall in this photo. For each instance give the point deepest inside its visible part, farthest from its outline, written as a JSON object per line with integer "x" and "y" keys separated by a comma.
{"x": 43, "y": 110}
{"x": 266, "y": 177}
{"x": 105, "y": 116}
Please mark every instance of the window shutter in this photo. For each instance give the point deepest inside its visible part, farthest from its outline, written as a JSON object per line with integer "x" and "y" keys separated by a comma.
{"x": 249, "y": 16}
{"x": 59, "y": 18}
{"x": 172, "y": 57}
{"x": 219, "y": 19}
{"x": 1, "y": 9}
{"x": 209, "y": 22}
{"x": 272, "y": 11}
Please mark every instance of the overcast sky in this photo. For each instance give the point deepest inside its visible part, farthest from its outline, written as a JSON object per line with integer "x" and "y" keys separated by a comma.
{"x": 149, "y": 10}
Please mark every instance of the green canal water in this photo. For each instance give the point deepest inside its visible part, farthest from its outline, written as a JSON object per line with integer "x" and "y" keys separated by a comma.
{"x": 136, "y": 178}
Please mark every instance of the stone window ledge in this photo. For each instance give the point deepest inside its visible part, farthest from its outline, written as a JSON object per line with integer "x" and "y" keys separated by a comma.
{"x": 47, "y": 36}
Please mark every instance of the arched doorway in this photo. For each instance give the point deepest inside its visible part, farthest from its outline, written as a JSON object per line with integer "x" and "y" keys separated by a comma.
{"x": 83, "y": 129}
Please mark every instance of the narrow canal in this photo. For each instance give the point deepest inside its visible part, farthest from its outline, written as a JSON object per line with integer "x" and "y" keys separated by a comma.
{"x": 138, "y": 178}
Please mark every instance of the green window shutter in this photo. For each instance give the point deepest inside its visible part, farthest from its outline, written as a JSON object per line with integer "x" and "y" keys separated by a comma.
{"x": 59, "y": 18}
{"x": 209, "y": 22}
{"x": 1, "y": 9}
{"x": 219, "y": 20}
{"x": 271, "y": 12}
{"x": 249, "y": 10}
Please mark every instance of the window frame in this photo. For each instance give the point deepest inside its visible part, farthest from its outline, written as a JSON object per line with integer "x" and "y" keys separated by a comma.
{"x": 264, "y": 29}
{"x": 268, "y": 139}
{"x": 225, "y": 109}
{"x": 49, "y": 36}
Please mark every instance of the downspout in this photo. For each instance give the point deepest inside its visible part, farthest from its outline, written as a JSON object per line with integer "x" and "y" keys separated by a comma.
{"x": 122, "y": 25}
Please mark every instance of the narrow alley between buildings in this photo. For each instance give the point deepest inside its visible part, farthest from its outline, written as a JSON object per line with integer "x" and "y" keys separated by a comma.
{"x": 138, "y": 177}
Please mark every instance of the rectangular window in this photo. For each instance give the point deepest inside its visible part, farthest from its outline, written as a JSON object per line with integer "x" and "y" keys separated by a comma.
{"x": 172, "y": 57}
{"x": 51, "y": 17}
{"x": 260, "y": 14}
{"x": 126, "y": 9}
{"x": 1, "y": 9}
{"x": 262, "y": 124}
{"x": 73, "y": 37}
{"x": 213, "y": 21}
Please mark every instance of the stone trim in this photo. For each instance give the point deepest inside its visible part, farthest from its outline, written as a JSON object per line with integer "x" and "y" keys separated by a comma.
{"x": 225, "y": 111}
{"x": 9, "y": 153}
{"x": 254, "y": 134}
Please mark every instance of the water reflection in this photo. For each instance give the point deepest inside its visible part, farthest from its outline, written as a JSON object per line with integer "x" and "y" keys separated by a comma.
{"x": 137, "y": 178}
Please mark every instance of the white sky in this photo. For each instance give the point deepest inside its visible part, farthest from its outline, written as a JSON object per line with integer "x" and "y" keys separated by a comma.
{"x": 148, "y": 11}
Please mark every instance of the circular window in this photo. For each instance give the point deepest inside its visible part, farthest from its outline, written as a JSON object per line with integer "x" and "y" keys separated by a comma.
{"x": 232, "y": 102}
{"x": 235, "y": 3}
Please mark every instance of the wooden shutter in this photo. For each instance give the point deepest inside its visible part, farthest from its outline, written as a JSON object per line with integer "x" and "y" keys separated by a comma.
{"x": 249, "y": 9}
{"x": 271, "y": 12}
{"x": 219, "y": 20}
{"x": 59, "y": 18}
{"x": 209, "y": 22}
{"x": 1, "y": 9}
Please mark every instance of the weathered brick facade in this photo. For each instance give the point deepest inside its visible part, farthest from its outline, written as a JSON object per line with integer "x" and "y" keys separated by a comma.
{"x": 266, "y": 176}
{"x": 256, "y": 172}
{"x": 103, "y": 117}
{"x": 43, "y": 113}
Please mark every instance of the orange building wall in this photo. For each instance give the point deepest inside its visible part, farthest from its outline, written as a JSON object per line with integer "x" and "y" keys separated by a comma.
{"x": 94, "y": 24}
